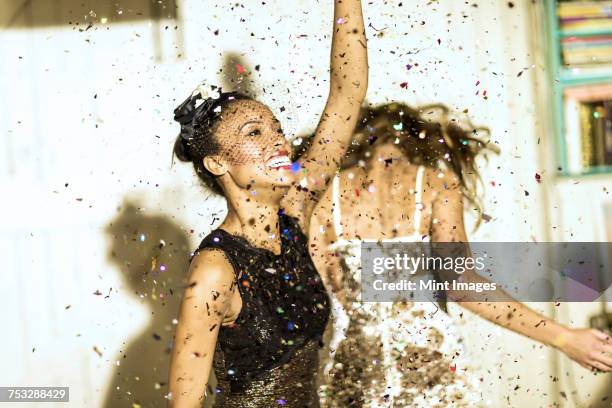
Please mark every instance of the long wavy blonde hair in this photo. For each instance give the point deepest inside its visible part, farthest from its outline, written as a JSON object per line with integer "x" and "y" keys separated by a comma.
{"x": 429, "y": 135}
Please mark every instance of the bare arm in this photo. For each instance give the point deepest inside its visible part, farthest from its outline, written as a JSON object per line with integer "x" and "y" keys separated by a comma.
{"x": 586, "y": 346}
{"x": 205, "y": 302}
{"x": 348, "y": 86}
{"x": 322, "y": 235}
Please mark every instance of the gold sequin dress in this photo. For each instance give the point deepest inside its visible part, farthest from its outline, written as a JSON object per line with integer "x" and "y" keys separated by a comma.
{"x": 384, "y": 354}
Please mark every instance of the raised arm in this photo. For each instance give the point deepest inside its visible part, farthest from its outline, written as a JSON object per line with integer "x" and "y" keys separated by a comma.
{"x": 588, "y": 347}
{"x": 205, "y": 302}
{"x": 347, "y": 91}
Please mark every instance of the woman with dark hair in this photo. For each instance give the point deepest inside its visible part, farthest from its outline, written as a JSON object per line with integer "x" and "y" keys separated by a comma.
{"x": 255, "y": 306}
{"x": 405, "y": 179}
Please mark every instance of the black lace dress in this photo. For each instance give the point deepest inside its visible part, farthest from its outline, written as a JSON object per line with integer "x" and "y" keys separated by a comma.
{"x": 269, "y": 356}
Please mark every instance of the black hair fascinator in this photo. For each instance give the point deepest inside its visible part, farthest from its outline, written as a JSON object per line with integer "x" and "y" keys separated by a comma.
{"x": 195, "y": 112}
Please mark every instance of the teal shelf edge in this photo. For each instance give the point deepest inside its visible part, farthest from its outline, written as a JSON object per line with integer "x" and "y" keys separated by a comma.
{"x": 551, "y": 30}
{"x": 582, "y": 33}
{"x": 591, "y": 172}
{"x": 569, "y": 78}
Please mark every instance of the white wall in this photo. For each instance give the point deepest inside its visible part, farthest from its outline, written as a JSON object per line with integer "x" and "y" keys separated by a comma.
{"x": 93, "y": 109}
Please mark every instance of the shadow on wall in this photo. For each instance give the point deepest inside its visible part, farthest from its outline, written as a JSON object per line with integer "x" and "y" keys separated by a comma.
{"x": 85, "y": 15}
{"x": 82, "y": 14}
{"x": 152, "y": 252}
{"x": 237, "y": 75}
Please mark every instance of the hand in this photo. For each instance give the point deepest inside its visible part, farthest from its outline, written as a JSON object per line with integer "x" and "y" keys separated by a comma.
{"x": 590, "y": 348}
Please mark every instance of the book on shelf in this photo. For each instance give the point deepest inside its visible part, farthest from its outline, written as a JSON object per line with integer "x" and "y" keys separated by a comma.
{"x": 599, "y": 70}
{"x": 587, "y": 57}
{"x": 586, "y": 139}
{"x": 593, "y": 49}
{"x": 573, "y": 9}
{"x": 588, "y": 127}
{"x": 585, "y": 18}
{"x": 599, "y": 23}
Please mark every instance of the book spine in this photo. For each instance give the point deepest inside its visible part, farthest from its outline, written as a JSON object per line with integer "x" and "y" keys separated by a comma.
{"x": 607, "y": 107}
{"x": 586, "y": 152}
{"x": 598, "y": 134}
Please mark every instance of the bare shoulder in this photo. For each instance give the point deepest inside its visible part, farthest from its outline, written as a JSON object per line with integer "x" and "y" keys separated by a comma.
{"x": 207, "y": 297}
{"x": 210, "y": 271}
{"x": 442, "y": 180}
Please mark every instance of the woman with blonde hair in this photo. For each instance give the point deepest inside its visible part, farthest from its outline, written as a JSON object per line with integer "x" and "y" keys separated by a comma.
{"x": 408, "y": 177}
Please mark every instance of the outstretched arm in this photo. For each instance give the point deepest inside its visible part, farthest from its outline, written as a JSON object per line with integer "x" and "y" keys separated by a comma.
{"x": 348, "y": 86}
{"x": 588, "y": 347}
{"x": 205, "y": 302}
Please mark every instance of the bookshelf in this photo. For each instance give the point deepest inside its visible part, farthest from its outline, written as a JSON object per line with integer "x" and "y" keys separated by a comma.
{"x": 580, "y": 61}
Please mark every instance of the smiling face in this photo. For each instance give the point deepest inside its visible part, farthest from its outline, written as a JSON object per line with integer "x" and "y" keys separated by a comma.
{"x": 252, "y": 147}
